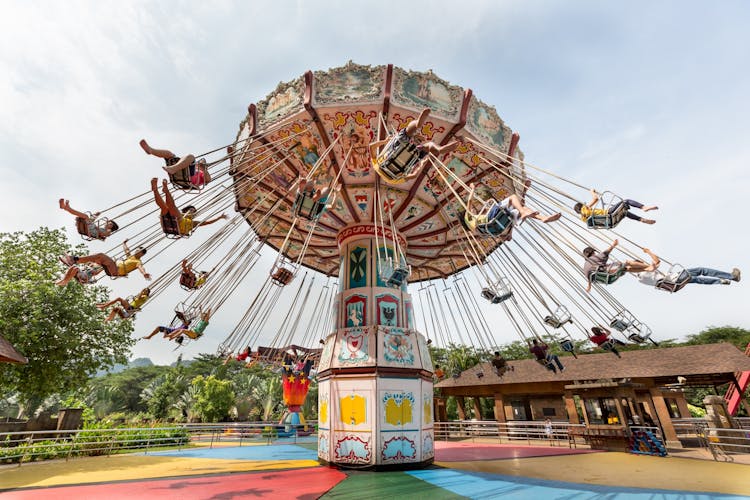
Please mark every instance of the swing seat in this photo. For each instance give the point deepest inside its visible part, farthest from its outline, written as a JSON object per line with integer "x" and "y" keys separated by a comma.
{"x": 674, "y": 280}
{"x": 547, "y": 363}
{"x": 567, "y": 345}
{"x": 496, "y": 296}
{"x": 171, "y": 227}
{"x": 181, "y": 180}
{"x": 637, "y": 338}
{"x": 282, "y": 276}
{"x": 560, "y": 317}
{"x": 398, "y": 276}
{"x": 187, "y": 281}
{"x": 607, "y": 276}
{"x": 305, "y": 207}
{"x": 615, "y": 212}
{"x": 397, "y": 159}
{"x": 499, "y": 225}
{"x": 184, "y": 314}
{"x": 619, "y": 324}
{"x": 84, "y": 228}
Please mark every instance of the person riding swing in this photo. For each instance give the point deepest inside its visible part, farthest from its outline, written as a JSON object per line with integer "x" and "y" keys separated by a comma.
{"x": 401, "y": 157}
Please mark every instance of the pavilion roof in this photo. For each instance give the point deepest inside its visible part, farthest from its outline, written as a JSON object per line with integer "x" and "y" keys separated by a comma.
{"x": 8, "y": 353}
{"x": 700, "y": 364}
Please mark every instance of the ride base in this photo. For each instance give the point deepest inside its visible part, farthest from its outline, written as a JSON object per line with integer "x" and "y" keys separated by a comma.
{"x": 375, "y": 372}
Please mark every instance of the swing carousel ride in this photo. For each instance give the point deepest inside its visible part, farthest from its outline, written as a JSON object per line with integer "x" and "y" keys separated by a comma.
{"x": 302, "y": 180}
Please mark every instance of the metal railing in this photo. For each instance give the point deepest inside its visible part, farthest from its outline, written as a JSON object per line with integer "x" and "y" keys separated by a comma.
{"x": 511, "y": 432}
{"x": 26, "y": 446}
{"x": 724, "y": 443}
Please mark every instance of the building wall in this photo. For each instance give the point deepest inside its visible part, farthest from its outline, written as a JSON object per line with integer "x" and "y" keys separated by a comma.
{"x": 556, "y": 403}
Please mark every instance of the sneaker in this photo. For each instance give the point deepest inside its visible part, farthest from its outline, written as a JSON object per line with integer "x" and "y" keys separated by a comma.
{"x": 725, "y": 282}
{"x": 68, "y": 260}
{"x": 736, "y": 274}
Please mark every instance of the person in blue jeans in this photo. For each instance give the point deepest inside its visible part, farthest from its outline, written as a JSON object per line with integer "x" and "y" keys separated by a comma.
{"x": 698, "y": 275}
{"x": 540, "y": 352}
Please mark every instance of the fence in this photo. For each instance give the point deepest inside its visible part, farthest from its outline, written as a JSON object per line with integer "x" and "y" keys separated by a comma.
{"x": 18, "y": 447}
{"x": 505, "y": 431}
{"x": 27, "y": 446}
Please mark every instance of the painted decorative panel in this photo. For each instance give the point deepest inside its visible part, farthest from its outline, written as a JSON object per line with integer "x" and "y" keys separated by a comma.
{"x": 427, "y": 401}
{"x": 357, "y": 266}
{"x": 355, "y": 310}
{"x": 285, "y": 100}
{"x": 398, "y": 408}
{"x": 352, "y": 448}
{"x": 422, "y": 90}
{"x": 353, "y": 348}
{"x": 352, "y": 82}
{"x": 424, "y": 352}
{"x": 398, "y": 348}
{"x": 386, "y": 308}
{"x": 483, "y": 121}
{"x": 428, "y": 445}
{"x": 399, "y": 448}
{"x": 353, "y": 409}
{"x": 325, "y": 355}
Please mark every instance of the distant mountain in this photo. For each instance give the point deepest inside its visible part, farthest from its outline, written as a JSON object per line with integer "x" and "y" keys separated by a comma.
{"x": 132, "y": 364}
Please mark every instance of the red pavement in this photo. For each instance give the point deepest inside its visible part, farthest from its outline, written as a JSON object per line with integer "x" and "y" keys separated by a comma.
{"x": 306, "y": 483}
{"x": 462, "y": 452}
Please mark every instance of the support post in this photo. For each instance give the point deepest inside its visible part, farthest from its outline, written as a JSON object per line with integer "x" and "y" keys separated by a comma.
{"x": 662, "y": 414}
{"x": 499, "y": 409}
{"x": 461, "y": 404}
{"x": 570, "y": 407}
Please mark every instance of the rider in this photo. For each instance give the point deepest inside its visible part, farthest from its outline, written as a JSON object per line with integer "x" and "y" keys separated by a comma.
{"x": 111, "y": 268}
{"x": 93, "y": 230}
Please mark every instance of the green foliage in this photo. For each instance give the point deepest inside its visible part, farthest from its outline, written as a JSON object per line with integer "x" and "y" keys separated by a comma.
{"x": 58, "y": 329}
{"x": 713, "y": 334}
{"x": 122, "y": 391}
{"x": 696, "y": 411}
{"x": 213, "y": 398}
{"x": 95, "y": 440}
{"x": 162, "y": 393}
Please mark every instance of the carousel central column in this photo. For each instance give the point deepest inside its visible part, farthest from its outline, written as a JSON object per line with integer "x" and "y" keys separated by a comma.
{"x": 375, "y": 373}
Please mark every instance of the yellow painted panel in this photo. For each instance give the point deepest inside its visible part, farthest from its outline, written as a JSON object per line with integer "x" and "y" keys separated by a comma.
{"x": 398, "y": 414}
{"x": 353, "y": 409}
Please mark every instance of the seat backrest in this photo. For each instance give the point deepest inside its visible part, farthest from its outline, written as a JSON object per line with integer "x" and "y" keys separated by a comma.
{"x": 170, "y": 225}
{"x": 187, "y": 280}
{"x": 181, "y": 179}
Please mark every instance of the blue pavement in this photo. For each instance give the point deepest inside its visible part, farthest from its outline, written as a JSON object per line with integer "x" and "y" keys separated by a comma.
{"x": 481, "y": 485}
{"x": 256, "y": 452}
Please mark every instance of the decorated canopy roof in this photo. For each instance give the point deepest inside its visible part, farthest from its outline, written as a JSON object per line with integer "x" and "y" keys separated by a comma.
{"x": 347, "y": 108}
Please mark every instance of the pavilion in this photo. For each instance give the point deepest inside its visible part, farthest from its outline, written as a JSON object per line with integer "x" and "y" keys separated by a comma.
{"x": 599, "y": 390}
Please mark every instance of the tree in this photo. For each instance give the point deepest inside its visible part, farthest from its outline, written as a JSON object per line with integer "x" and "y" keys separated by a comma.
{"x": 162, "y": 394}
{"x": 130, "y": 383}
{"x": 713, "y": 334}
{"x": 213, "y": 398}
{"x": 269, "y": 394}
{"x": 243, "y": 385}
{"x": 58, "y": 328}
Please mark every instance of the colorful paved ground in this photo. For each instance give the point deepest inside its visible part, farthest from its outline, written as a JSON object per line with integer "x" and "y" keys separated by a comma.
{"x": 462, "y": 470}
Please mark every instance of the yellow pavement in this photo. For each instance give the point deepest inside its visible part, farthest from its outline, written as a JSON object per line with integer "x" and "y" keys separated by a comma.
{"x": 129, "y": 467}
{"x": 623, "y": 469}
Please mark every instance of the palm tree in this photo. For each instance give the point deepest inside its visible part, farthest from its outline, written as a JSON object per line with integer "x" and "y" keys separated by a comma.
{"x": 268, "y": 394}
{"x": 244, "y": 385}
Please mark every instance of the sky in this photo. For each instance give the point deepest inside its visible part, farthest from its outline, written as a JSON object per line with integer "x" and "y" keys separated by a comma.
{"x": 645, "y": 98}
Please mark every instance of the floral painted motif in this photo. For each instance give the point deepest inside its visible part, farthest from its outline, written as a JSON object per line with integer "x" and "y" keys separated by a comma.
{"x": 352, "y": 449}
{"x": 399, "y": 449}
{"x": 397, "y": 348}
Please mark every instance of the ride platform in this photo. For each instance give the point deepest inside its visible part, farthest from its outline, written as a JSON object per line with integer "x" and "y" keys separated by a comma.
{"x": 461, "y": 470}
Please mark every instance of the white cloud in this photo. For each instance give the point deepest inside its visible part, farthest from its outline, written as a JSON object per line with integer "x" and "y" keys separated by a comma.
{"x": 640, "y": 104}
